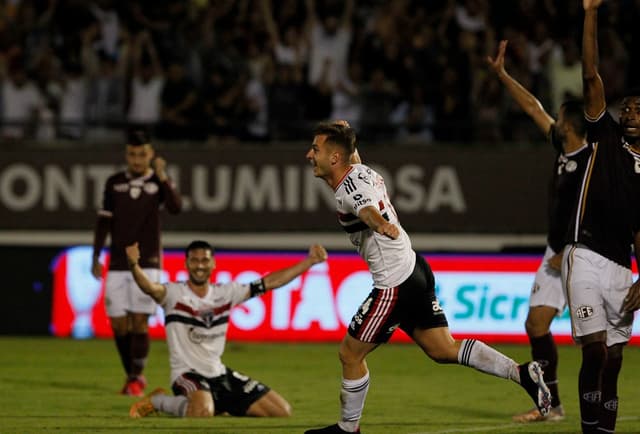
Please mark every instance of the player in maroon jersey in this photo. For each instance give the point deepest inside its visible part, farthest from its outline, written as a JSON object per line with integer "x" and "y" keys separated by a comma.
{"x": 131, "y": 212}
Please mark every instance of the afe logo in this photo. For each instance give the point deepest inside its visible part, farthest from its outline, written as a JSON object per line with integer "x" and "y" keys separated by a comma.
{"x": 584, "y": 311}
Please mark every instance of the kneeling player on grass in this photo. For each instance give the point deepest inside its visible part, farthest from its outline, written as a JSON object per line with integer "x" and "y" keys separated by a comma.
{"x": 196, "y": 321}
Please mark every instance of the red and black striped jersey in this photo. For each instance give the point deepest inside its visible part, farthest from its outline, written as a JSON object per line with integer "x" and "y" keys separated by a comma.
{"x": 390, "y": 261}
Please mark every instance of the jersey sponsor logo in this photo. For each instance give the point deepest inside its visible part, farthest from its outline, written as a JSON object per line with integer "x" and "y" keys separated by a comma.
{"x": 359, "y": 200}
{"x": 584, "y": 312}
{"x": 198, "y": 337}
{"x": 120, "y": 188}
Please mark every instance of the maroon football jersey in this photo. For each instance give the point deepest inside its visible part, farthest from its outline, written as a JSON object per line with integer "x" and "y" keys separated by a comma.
{"x": 133, "y": 207}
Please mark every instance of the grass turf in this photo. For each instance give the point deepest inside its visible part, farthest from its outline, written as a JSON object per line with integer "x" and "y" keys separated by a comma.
{"x": 69, "y": 386}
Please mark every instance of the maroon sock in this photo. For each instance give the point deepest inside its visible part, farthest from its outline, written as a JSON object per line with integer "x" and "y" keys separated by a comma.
{"x": 139, "y": 352}
{"x": 609, "y": 407}
{"x": 123, "y": 344}
{"x": 594, "y": 358}
{"x": 545, "y": 352}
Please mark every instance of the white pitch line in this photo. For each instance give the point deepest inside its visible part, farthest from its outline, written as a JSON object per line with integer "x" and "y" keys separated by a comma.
{"x": 472, "y": 429}
{"x": 500, "y": 427}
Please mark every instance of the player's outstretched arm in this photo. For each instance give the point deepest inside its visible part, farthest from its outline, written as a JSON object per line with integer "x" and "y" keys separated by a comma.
{"x": 594, "y": 99}
{"x": 156, "y": 290}
{"x": 525, "y": 99}
{"x": 372, "y": 218}
{"x": 317, "y": 254}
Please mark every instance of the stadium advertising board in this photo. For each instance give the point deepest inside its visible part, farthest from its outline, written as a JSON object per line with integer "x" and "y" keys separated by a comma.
{"x": 433, "y": 190}
{"x": 484, "y": 296}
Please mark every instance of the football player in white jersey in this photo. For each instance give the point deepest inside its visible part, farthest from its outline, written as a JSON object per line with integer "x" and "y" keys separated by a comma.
{"x": 404, "y": 287}
{"x": 196, "y": 321}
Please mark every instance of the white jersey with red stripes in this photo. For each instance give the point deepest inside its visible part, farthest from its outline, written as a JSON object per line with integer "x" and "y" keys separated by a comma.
{"x": 197, "y": 326}
{"x": 390, "y": 261}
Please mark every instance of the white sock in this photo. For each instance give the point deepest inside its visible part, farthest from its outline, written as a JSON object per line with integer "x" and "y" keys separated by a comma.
{"x": 352, "y": 396}
{"x": 175, "y": 405}
{"x": 482, "y": 357}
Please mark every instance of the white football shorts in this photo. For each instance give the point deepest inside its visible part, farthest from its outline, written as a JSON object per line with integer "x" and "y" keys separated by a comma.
{"x": 547, "y": 286}
{"x": 595, "y": 288}
{"x": 122, "y": 294}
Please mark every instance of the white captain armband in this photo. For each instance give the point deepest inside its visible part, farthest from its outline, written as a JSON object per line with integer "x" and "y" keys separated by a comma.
{"x": 257, "y": 287}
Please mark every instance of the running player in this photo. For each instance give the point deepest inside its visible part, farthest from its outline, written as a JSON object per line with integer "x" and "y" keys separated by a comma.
{"x": 131, "y": 211}
{"x": 404, "y": 287}
{"x": 596, "y": 268}
{"x": 547, "y": 300}
{"x": 196, "y": 319}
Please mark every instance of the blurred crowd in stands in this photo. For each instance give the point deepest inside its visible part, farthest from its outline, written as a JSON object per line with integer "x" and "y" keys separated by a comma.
{"x": 222, "y": 71}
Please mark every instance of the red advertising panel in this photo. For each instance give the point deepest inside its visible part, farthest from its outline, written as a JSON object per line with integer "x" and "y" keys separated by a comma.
{"x": 484, "y": 296}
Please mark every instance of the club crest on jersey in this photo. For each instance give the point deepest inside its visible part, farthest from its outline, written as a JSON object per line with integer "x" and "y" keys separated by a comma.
{"x": 636, "y": 167}
{"x": 207, "y": 318}
{"x": 571, "y": 166}
{"x": 134, "y": 192}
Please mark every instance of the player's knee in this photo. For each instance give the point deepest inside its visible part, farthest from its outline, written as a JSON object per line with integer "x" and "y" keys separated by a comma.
{"x": 200, "y": 404}
{"x": 119, "y": 327}
{"x": 140, "y": 323}
{"x": 199, "y": 411}
{"x": 282, "y": 410}
{"x": 535, "y": 328}
{"x": 348, "y": 357}
{"x": 615, "y": 351}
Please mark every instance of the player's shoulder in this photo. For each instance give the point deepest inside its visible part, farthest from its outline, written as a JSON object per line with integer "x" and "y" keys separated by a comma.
{"x": 117, "y": 177}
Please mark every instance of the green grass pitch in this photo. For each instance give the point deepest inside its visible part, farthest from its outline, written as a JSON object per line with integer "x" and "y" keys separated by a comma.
{"x": 67, "y": 386}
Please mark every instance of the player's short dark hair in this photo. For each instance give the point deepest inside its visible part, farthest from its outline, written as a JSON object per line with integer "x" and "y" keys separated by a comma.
{"x": 573, "y": 113}
{"x": 339, "y": 134}
{"x": 138, "y": 136}
{"x": 198, "y": 244}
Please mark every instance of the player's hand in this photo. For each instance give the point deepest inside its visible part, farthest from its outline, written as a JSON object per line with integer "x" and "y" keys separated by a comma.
{"x": 632, "y": 300}
{"x": 591, "y": 4}
{"x": 497, "y": 64}
{"x": 390, "y": 230}
{"x": 555, "y": 262}
{"x": 133, "y": 253}
{"x": 96, "y": 268}
{"x": 160, "y": 166}
{"x": 317, "y": 254}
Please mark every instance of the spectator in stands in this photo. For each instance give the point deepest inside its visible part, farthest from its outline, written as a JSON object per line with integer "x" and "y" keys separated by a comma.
{"x": 21, "y": 103}
{"x": 329, "y": 41}
{"x": 180, "y": 109}
{"x": 147, "y": 82}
